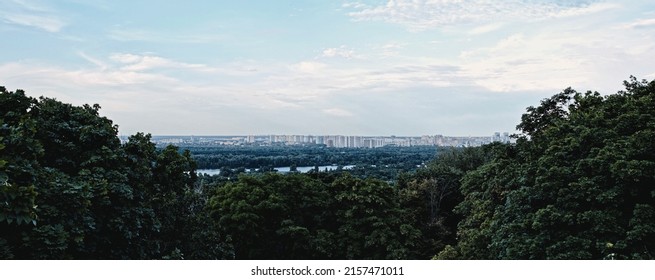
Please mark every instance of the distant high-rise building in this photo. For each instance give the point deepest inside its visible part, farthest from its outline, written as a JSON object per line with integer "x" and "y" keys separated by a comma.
{"x": 358, "y": 142}
{"x": 496, "y": 137}
{"x": 341, "y": 141}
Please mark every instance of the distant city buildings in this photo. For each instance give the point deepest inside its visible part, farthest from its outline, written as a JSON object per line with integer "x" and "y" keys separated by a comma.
{"x": 498, "y": 138}
{"x": 336, "y": 141}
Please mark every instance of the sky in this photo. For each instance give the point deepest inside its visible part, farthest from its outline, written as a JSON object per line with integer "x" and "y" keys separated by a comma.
{"x": 315, "y": 67}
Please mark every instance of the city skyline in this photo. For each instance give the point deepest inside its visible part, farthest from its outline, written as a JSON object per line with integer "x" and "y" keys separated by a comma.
{"x": 371, "y": 67}
{"x": 336, "y": 141}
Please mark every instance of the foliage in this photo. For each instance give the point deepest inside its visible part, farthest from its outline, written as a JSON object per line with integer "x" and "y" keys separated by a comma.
{"x": 70, "y": 190}
{"x": 297, "y": 216}
{"x": 431, "y": 194}
{"x": 18, "y": 154}
{"x": 577, "y": 185}
{"x": 275, "y": 156}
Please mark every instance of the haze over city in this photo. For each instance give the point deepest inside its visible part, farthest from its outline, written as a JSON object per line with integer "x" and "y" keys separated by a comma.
{"x": 321, "y": 67}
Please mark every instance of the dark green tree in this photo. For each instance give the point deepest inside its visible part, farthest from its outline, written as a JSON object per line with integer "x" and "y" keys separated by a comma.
{"x": 370, "y": 222}
{"x": 19, "y": 151}
{"x": 577, "y": 185}
{"x": 70, "y": 190}
{"x": 430, "y": 195}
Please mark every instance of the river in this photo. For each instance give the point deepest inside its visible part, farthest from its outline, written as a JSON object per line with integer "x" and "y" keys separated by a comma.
{"x": 285, "y": 169}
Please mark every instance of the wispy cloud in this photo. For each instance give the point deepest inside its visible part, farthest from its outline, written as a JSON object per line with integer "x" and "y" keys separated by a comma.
{"x": 97, "y": 62}
{"x": 341, "y": 52}
{"x": 47, "y": 23}
{"x": 355, "y": 5}
{"x": 123, "y": 34}
{"x": 30, "y": 14}
{"x": 121, "y": 69}
{"x": 28, "y": 5}
{"x": 420, "y": 15}
{"x": 642, "y": 23}
{"x": 311, "y": 67}
{"x": 134, "y": 62}
{"x": 486, "y": 28}
{"x": 391, "y": 49}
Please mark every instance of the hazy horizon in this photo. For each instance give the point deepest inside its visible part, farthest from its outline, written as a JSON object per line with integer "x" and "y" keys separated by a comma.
{"x": 411, "y": 68}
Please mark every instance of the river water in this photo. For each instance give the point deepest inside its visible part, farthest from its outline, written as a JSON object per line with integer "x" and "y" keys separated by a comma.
{"x": 285, "y": 169}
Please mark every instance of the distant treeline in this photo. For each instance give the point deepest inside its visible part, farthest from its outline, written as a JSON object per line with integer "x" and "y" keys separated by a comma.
{"x": 579, "y": 183}
{"x": 278, "y": 156}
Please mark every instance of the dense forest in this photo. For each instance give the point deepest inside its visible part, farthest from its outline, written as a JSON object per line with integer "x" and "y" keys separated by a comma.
{"x": 579, "y": 183}
{"x": 275, "y": 156}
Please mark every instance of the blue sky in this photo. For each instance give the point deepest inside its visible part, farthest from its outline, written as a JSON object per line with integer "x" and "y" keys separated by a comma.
{"x": 321, "y": 67}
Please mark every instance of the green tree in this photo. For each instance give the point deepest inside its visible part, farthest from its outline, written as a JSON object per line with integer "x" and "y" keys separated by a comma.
{"x": 577, "y": 185}
{"x": 70, "y": 190}
{"x": 430, "y": 195}
{"x": 484, "y": 190}
{"x": 370, "y": 222}
{"x": 250, "y": 211}
{"x": 313, "y": 216}
{"x": 19, "y": 151}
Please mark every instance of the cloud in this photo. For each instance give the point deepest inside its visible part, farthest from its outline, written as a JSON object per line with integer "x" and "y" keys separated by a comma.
{"x": 523, "y": 63}
{"x": 419, "y": 15}
{"x": 342, "y": 52}
{"x": 315, "y": 81}
{"x": 401, "y": 77}
{"x": 31, "y": 15}
{"x": 355, "y": 5}
{"x": 485, "y": 28}
{"x": 551, "y": 60}
{"x": 141, "y": 63}
{"x": 391, "y": 49}
{"x": 97, "y": 62}
{"x": 311, "y": 67}
{"x": 126, "y": 58}
{"x": 133, "y": 62}
{"x": 338, "y": 112}
{"x": 46, "y": 23}
{"x": 243, "y": 85}
{"x": 583, "y": 9}
{"x": 643, "y": 23}
{"x": 119, "y": 69}
{"x": 143, "y": 35}
{"x": 29, "y": 5}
